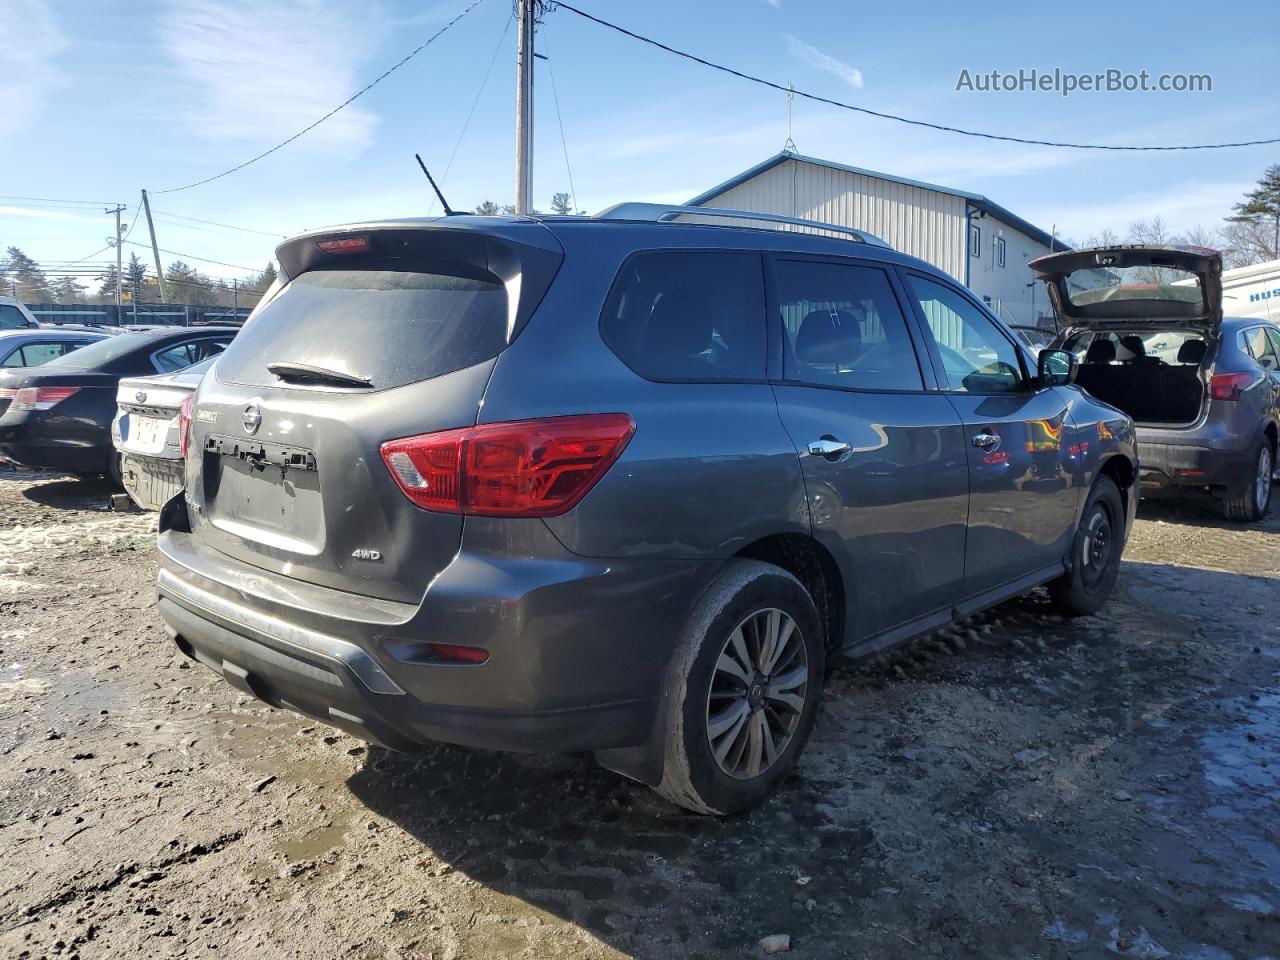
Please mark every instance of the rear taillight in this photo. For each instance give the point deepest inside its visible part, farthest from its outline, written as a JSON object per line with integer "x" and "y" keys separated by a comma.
{"x": 184, "y": 423}
{"x": 520, "y": 468}
{"x": 1229, "y": 386}
{"x": 7, "y": 393}
{"x": 41, "y": 398}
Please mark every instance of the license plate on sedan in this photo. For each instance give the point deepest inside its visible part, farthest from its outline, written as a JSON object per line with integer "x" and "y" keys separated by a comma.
{"x": 147, "y": 434}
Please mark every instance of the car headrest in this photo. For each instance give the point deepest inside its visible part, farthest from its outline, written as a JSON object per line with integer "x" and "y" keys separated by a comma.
{"x": 1101, "y": 351}
{"x": 829, "y": 336}
{"x": 1133, "y": 343}
{"x": 681, "y": 324}
{"x": 1192, "y": 351}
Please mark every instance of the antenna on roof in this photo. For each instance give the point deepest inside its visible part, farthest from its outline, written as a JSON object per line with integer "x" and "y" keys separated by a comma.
{"x": 443, "y": 202}
{"x": 790, "y": 145}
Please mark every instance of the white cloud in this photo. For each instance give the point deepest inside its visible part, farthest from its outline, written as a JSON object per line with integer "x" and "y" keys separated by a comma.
{"x": 6, "y": 211}
{"x": 31, "y": 42}
{"x": 259, "y": 72}
{"x": 821, "y": 61}
{"x": 1182, "y": 206}
{"x": 774, "y": 3}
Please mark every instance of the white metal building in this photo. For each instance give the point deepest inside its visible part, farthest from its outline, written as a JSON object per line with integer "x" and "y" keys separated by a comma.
{"x": 978, "y": 242}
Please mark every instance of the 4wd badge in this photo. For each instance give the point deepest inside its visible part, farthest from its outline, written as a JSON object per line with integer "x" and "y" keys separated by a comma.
{"x": 364, "y": 553}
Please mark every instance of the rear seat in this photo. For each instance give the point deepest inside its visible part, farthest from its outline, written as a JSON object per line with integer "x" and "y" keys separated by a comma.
{"x": 1146, "y": 390}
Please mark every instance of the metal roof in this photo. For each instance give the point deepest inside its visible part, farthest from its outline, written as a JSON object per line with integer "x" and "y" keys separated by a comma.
{"x": 977, "y": 200}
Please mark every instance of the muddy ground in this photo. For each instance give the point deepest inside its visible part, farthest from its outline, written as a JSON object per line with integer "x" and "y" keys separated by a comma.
{"x": 1025, "y": 787}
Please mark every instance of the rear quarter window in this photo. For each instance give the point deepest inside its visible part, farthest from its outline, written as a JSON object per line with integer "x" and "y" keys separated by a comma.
{"x": 688, "y": 315}
{"x": 391, "y": 326}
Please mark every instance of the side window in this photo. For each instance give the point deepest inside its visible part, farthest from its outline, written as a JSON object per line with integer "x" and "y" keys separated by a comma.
{"x": 11, "y": 318}
{"x": 209, "y": 348}
{"x": 688, "y": 315}
{"x": 843, "y": 328}
{"x": 176, "y": 357}
{"x": 13, "y": 359}
{"x": 1274, "y": 337}
{"x": 34, "y": 354}
{"x": 1261, "y": 347}
{"x": 976, "y": 356}
{"x": 1002, "y": 251}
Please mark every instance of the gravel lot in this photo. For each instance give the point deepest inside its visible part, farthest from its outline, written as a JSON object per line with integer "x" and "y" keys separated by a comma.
{"x": 1022, "y": 787}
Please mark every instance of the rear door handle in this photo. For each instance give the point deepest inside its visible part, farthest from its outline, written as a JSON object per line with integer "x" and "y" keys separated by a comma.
{"x": 985, "y": 440}
{"x": 829, "y": 447}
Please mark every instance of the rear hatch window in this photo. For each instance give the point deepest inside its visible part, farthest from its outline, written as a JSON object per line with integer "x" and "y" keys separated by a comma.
{"x": 1133, "y": 284}
{"x": 385, "y": 306}
{"x": 388, "y": 326}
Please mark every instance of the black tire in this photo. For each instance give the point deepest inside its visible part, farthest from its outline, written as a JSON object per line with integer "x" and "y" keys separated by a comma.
{"x": 1095, "y": 553}
{"x": 1252, "y": 499}
{"x": 115, "y": 471}
{"x": 751, "y": 597}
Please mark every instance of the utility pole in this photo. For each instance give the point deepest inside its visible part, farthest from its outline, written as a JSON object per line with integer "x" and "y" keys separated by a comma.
{"x": 235, "y": 297}
{"x": 119, "y": 245}
{"x": 151, "y": 228}
{"x": 525, "y": 17}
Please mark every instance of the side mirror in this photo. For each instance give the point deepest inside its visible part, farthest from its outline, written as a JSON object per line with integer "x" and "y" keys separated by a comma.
{"x": 1056, "y": 368}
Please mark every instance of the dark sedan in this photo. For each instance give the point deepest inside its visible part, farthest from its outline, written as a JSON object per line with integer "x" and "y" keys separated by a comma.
{"x": 60, "y": 415}
{"x": 20, "y": 350}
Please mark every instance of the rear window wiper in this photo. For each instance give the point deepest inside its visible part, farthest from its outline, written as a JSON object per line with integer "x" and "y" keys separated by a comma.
{"x": 306, "y": 373}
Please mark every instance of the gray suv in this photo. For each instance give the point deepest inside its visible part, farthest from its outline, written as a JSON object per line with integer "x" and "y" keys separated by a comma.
{"x": 1147, "y": 327}
{"x": 620, "y": 484}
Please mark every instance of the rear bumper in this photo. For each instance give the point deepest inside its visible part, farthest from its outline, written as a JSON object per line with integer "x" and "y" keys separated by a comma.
{"x": 47, "y": 442}
{"x": 578, "y": 649}
{"x": 1168, "y": 467}
{"x": 151, "y": 482}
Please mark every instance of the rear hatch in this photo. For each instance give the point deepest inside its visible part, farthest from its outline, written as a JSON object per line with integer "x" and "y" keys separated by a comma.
{"x": 381, "y": 332}
{"x": 1134, "y": 285}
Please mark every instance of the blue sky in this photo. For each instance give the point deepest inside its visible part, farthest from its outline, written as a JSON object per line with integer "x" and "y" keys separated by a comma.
{"x": 100, "y": 99}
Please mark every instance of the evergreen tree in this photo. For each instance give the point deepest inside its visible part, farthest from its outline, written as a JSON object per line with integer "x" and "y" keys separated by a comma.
{"x": 135, "y": 275}
{"x": 26, "y": 277}
{"x": 68, "y": 290}
{"x": 560, "y": 204}
{"x": 107, "y": 286}
{"x": 189, "y": 285}
{"x": 1260, "y": 209}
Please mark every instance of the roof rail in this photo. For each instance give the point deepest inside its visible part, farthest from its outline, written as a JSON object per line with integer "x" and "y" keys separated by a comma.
{"x": 661, "y": 212}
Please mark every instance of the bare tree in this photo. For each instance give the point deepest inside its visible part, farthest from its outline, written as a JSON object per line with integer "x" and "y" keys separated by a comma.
{"x": 1202, "y": 236}
{"x": 1106, "y": 237}
{"x": 1154, "y": 230}
{"x": 1246, "y": 243}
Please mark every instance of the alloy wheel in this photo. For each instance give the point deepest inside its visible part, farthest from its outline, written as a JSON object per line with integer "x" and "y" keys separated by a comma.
{"x": 1262, "y": 488}
{"x": 758, "y": 693}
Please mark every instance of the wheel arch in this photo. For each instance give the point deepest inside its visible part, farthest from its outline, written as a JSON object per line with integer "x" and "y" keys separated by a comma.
{"x": 813, "y": 565}
{"x": 1123, "y": 472}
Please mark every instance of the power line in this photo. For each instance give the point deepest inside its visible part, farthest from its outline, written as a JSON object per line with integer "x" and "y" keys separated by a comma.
{"x": 363, "y": 90}
{"x": 563, "y": 143}
{"x": 192, "y": 256}
{"x": 215, "y": 223}
{"x": 891, "y": 116}
{"x": 470, "y": 113}
{"x": 83, "y": 203}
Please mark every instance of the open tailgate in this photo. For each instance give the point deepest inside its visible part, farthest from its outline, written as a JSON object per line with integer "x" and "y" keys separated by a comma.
{"x": 1134, "y": 284}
